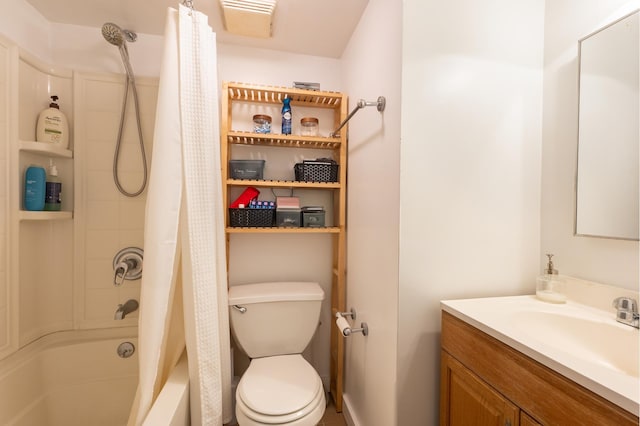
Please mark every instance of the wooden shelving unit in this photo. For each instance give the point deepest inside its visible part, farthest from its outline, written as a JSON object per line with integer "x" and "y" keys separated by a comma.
{"x": 338, "y": 103}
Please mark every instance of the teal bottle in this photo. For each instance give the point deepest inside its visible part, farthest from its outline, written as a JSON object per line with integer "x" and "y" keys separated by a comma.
{"x": 34, "y": 186}
{"x": 286, "y": 116}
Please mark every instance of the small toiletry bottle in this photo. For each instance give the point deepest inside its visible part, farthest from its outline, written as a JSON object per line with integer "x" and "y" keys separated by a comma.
{"x": 34, "y": 184}
{"x": 52, "y": 125}
{"x": 549, "y": 286}
{"x": 286, "y": 116}
{"x": 53, "y": 189}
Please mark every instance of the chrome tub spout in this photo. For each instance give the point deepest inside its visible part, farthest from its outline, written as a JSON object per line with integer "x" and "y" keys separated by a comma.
{"x": 126, "y": 308}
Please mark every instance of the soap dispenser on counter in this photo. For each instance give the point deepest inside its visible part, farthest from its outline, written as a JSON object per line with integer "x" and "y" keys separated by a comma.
{"x": 549, "y": 286}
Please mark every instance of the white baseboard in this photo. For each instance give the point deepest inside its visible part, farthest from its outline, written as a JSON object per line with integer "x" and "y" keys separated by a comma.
{"x": 349, "y": 415}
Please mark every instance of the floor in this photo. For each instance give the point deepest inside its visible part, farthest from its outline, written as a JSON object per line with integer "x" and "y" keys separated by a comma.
{"x": 331, "y": 418}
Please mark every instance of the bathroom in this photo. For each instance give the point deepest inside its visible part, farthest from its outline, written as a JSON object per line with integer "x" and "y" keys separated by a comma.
{"x": 473, "y": 162}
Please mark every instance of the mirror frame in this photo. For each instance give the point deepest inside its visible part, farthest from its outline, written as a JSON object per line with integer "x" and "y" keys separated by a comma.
{"x": 575, "y": 216}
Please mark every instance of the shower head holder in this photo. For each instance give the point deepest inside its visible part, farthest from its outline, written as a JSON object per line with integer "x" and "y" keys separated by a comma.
{"x": 129, "y": 35}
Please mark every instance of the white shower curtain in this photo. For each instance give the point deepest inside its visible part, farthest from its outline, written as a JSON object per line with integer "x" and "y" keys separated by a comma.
{"x": 184, "y": 284}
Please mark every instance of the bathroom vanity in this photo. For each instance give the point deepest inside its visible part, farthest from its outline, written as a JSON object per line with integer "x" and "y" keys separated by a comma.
{"x": 495, "y": 374}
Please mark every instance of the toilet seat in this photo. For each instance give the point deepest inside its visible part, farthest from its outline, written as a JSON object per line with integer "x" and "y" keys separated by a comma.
{"x": 283, "y": 389}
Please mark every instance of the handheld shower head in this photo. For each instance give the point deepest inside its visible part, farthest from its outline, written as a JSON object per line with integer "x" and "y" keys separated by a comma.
{"x": 118, "y": 37}
{"x": 113, "y": 34}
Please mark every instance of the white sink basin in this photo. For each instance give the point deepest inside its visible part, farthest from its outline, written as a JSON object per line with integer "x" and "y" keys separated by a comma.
{"x": 582, "y": 343}
{"x": 609, "y": 344}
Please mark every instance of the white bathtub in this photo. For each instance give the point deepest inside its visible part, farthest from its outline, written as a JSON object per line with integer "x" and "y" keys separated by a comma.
{"x": 69, "y": 378}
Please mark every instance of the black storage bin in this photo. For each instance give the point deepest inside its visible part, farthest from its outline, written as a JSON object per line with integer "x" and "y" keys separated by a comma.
{"x": 246, "y": 169}
{"x": 316, "y": 171}
{"x": 252, "y": 218}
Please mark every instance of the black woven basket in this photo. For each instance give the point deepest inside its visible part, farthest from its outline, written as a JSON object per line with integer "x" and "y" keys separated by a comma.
{"x": 253, "y": 218}
{"x": 316, "y": 172}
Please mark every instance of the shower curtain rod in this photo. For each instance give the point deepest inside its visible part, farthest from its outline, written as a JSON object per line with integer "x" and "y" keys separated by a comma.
{"x": 380, "y": 104}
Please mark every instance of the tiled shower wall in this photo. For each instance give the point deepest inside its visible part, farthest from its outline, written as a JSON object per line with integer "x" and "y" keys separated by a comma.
{"x": 107, "y": 221}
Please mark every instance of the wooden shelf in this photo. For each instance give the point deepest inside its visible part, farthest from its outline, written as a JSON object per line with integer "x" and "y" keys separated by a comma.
{"x": 283, "y": 184}
{"x": 282, "y": 230}
{"x": 284, "y": 141}
{"x": 44, "y": 215}
{"x": 275, "y": 95}
{"x": 45, "y": 149}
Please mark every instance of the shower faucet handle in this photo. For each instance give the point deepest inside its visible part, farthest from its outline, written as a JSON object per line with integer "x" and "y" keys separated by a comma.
{"x": 127, "y": 265}
{"x": 121, "y": 271}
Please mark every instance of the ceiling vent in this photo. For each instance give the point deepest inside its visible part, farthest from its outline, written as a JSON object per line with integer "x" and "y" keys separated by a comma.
{"x": 251, "y": 18}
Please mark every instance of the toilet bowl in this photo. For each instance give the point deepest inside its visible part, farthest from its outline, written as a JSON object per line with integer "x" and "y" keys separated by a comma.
{"x": 273, "y": 323}
{"x": 280, "y": 390}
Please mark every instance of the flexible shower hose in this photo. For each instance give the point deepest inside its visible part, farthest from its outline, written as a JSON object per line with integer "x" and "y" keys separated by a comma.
{"x": 119, "y": 141}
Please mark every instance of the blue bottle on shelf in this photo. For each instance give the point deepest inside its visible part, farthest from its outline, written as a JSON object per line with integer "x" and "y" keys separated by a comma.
{"x": 286, "y": 116}
{"x": 34, "y": 185}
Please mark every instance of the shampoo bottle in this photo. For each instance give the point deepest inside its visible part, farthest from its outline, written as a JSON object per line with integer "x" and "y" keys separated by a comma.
{"x": 34, "y": 184}
{"x": 52, "y": 125}
{"x": 549, "y": 286}
{"x": 286, "y": 116}
{"x": 53, "y": 189}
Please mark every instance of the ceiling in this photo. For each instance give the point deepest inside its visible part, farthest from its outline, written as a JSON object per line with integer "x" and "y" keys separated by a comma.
{"x": 314, "y": 27}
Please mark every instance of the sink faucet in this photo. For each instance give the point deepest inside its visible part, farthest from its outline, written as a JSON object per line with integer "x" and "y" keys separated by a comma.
{"x": 128, "y": 307}
{"x": 627, "y": 311}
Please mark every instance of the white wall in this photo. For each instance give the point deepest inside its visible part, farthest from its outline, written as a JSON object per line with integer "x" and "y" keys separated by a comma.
{"x": 373, "y": 212}
{"x": 470, "y": 171}
{"x": 4, "y": 200}
{"x": 614, "y": 262}
{"x": 26, "y": 27}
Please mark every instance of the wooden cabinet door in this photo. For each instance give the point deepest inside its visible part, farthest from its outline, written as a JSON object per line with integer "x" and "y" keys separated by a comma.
{"x": 466, "y": 400}
{"x": 527, "y": 420}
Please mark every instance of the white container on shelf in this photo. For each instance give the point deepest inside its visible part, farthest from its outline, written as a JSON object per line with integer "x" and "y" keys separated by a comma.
{"x": 52, "y": 125}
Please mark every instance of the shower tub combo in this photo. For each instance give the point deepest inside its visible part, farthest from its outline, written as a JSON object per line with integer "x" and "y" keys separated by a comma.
{"x": 81, "y": 378}
{"x": 89, "y": 377}
{"x": 70, "y": 378}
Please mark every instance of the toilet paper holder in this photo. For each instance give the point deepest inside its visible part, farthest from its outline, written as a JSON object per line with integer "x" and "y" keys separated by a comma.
{"x": 345, "y": 328}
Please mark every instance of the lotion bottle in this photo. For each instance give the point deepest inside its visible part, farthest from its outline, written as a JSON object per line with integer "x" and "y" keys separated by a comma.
{"x": 52, "y": 125}
{"x": 549, "y": 286}
{"x": 53, "y": 189}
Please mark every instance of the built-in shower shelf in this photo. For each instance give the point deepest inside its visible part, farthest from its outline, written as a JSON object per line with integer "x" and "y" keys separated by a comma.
{"x": 45, "y": 148}
{"x": 29, "y": 215}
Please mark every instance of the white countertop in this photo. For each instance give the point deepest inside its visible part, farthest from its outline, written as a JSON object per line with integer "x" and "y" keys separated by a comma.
{"x": 602, "y": 358}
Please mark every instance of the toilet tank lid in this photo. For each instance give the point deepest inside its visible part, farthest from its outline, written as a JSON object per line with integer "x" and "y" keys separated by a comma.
{"x": 274, "y": 292}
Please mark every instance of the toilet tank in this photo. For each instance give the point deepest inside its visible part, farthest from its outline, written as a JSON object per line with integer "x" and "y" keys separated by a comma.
{"x": 279, "y": 318}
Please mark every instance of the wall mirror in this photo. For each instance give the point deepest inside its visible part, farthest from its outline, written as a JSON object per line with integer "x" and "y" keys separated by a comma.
{"x": 608, "y": 132}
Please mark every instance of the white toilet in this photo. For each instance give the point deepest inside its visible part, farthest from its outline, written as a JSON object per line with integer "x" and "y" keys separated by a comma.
{"x": 273, "y": 323}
